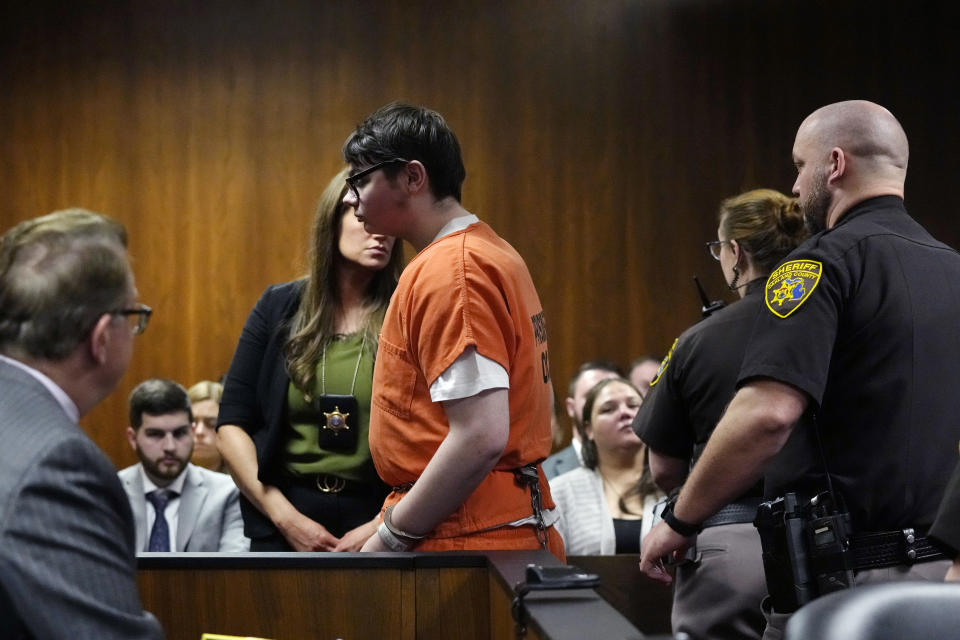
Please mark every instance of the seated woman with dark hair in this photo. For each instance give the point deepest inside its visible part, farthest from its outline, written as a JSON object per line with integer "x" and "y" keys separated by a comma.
{"x": 606, "y": 506}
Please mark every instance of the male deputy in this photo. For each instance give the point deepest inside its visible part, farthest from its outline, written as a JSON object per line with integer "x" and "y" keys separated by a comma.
{"x": 460, "y": 414}
{"x": 177, "y": 506}
{"x": 68, "y": 315}
{"x": 859, "y": 329}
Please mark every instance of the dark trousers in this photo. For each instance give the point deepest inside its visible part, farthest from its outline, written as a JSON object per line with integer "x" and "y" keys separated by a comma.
{"x": 337, "y": 512}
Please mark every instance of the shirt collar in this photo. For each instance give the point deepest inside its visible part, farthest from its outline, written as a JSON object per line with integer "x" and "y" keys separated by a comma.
{"x": 456, "y": 224}
{"x": 69, "y": 406}
{"x": 871, "y": 204}
{"x": 756, "y": 285}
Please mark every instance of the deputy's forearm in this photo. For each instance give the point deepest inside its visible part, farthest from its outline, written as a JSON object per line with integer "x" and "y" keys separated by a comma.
{"x": 753, "y": 430}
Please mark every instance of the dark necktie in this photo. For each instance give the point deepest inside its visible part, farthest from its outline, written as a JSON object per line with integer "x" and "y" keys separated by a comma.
{"x": 160, "y": 534}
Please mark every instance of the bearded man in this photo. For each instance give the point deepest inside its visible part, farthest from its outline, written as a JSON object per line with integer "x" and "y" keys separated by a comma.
{"x": 177, "y": 506}
{"x": 858, "y": 335}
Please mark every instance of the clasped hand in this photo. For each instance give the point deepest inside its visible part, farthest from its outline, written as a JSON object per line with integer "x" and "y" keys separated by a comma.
{"x": 305, "y": 534}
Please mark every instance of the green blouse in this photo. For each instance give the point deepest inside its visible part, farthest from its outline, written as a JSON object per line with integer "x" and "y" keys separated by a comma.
{"x": 303, "y": 454}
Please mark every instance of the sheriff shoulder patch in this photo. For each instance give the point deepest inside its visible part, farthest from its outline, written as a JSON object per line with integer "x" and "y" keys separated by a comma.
{"x": 663, "y": 364}
{"x": 791, "y": 284}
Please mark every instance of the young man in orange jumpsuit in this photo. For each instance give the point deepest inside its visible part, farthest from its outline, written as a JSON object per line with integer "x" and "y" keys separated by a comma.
{"x": 460, "y": 416}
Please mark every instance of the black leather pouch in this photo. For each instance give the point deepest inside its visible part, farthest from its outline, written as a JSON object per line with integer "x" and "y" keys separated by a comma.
{"x": 338, "y": 419}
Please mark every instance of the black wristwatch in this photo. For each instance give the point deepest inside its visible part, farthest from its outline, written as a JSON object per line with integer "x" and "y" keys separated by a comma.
{"x": 683, "y": 528}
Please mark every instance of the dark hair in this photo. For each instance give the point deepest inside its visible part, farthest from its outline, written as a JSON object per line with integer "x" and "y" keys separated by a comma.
{"x": 312, "y": 326}
{"x": 58, "y": 275}
{"x": 767, "y": 224}
{"x": 157, "y": 397}
{"x": 591, "y": 459}
{"x": 592, "y": 365}
{"x": 406, "y": 131}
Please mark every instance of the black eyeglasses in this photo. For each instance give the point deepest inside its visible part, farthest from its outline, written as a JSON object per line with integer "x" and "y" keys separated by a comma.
{"x": 139, "y": 316}
{"x": 714, "y": 247}
{"x": 352, "y": 180}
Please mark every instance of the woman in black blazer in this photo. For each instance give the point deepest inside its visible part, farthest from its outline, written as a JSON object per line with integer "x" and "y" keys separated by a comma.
{"x": 295, "y": 410}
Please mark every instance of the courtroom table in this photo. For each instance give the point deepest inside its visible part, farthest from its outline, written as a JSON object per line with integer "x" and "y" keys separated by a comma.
{"x": 359, "y": 596}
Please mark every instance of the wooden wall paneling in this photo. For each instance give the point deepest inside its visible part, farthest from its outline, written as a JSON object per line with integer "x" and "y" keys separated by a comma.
{"x": 599, "y": 139}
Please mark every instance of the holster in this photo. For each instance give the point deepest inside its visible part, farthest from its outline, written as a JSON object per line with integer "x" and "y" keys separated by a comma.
{"x": 806, "y": 549}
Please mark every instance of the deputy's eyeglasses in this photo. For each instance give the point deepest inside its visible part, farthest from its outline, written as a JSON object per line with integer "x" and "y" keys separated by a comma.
{"x": 138, "y": 317}
{"x": 714, "y": 247}
{"x": 353, "y": 181}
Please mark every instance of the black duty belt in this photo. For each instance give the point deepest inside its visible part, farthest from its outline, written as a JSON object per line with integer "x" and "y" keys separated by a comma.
{"x": 892, "y": 548}
{"x": 739, "y": 512}
{"x": 323, "y": 482}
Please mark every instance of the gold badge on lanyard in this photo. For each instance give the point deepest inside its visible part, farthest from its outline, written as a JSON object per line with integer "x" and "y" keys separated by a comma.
{"x": 336, "y": 421}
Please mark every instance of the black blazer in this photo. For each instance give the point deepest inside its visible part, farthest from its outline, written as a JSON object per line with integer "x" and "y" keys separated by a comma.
{"x": 255, "y": 392}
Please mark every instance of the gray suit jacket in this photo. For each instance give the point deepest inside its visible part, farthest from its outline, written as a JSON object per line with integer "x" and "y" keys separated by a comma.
{"x": 209, "y": 511}
{"x": 67, "y": 562}
{"x": 561, "y": 462}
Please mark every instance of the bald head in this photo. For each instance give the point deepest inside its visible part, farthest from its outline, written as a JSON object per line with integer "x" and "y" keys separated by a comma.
{"x": 864, "y": 130}
{"x": 847, "y": 152}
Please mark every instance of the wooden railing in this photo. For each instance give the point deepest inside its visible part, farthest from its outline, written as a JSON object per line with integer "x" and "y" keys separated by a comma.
{"x": 447, "y": 596}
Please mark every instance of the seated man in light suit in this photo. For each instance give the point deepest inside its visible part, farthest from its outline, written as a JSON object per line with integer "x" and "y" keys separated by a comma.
{"x": 177, "y": 506}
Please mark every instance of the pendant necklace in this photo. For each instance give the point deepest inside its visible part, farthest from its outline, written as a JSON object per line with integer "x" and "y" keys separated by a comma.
{"x": 336, "y": 419}
{"x": 621, "y": 502}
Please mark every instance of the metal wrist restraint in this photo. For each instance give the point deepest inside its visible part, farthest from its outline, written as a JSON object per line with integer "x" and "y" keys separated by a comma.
{"x": 529, "y": 476}
{"x": 396, "y": 539}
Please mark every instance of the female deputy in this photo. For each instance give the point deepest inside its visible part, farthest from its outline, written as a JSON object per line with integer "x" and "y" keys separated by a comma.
{"x": 607, "y": 504}
{"x": 296, "y": 404}
{"x": 718, "y": 592}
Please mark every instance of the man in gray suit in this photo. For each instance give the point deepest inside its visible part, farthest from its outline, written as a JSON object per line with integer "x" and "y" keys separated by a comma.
{"x": 68, "y": 315}
{"x": 190, "y": 508}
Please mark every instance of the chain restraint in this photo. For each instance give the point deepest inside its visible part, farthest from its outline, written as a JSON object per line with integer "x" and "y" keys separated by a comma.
{"x": 529, "y": 476}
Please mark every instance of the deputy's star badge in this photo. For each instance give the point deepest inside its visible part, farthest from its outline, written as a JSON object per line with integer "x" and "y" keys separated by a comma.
{"x": 336, "y": 421}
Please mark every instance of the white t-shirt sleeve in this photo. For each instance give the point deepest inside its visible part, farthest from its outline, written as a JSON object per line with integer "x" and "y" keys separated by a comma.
{"x": 469, "y": 374}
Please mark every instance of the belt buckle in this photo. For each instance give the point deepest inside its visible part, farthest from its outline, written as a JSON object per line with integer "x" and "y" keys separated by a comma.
{"x": 330, "y": 484}
{"x": 909, "y": 545}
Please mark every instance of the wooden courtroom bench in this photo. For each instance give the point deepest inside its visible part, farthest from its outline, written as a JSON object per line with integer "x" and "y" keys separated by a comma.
{"x": 356, "y": 596}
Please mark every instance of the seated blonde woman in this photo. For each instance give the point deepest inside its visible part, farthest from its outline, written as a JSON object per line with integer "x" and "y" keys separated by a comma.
{"x": 205, "y": 404}
{"x": 606, "y": 506}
